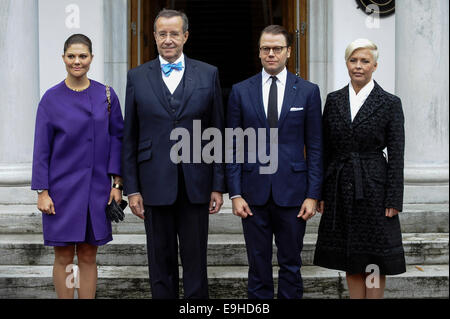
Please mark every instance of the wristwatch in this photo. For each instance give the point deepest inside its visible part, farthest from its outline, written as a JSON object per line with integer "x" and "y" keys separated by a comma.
{"x": 40, "y": 191}
{"x": 118, "y": 186}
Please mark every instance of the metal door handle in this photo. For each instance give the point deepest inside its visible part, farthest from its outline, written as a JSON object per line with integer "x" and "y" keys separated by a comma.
{"x": 297, "y": 53}
{"x": 134, "y": 28}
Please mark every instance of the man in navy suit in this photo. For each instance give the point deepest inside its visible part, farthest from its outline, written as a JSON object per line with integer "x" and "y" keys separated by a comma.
{"x": 279, "y": 203}
{"x": 174, "y": 199}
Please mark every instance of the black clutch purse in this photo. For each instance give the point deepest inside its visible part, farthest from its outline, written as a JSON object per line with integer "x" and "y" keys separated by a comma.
{"x": 114, "y": 211}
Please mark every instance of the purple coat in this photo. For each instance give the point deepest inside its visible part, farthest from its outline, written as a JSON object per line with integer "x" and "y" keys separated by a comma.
{"x": 77, "y": 148}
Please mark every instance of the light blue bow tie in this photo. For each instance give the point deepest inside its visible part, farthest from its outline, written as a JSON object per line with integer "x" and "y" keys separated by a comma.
{"x": 169, "y": 67}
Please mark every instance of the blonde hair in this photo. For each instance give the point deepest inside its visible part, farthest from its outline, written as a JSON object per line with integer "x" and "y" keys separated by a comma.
{"x": 361, "y": 44}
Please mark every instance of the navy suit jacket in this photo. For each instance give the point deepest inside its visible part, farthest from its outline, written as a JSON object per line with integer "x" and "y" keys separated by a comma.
{"x": 147, "y": 167}
{"x": 297, "y": 177}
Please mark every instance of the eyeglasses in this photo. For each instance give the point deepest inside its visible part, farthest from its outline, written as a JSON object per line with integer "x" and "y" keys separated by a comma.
{"x": 276, "y": 50}
{"x": 163, "y": 35}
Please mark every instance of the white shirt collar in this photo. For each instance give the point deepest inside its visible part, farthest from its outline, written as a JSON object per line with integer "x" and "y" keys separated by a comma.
{"x": 365, "y": 91}
{"x": 181, "y": 58}
{"x": 281, "y": 77}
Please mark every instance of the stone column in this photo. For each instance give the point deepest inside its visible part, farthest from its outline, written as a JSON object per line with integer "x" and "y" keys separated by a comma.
{"x": 422, "y": 63}
{"x": 19, "y": 95}
{"x": 116, "y": 46}
{"x": 320, "y": 45}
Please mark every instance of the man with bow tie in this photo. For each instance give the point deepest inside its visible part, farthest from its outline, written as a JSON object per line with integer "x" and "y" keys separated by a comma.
{"x": 173, "y": 199}
{"x": 277, "y": 204}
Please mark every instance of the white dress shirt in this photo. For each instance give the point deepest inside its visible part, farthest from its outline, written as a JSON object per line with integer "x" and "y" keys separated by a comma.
{"x": 281, "y": 85}
{"x": 357, "y": 100}
{"x": 173, "y": 80}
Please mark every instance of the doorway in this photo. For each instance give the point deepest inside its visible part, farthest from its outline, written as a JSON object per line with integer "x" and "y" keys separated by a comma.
{"x": 223, "y": 33}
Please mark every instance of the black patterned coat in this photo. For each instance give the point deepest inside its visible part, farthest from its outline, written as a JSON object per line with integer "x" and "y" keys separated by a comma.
{"x": 360, "y": 183}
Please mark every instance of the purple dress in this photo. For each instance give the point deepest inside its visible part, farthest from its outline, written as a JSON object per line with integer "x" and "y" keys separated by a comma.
{"x": 77, "y": 147}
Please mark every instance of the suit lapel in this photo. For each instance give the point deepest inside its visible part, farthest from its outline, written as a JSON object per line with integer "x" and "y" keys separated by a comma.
{"x": 370, "y": 105}
{"x": 290, "y": 92}
{"x": 257, "y": 99}
{"x": 156, "y": 83}
{"x": 189, "y": 82}
{"x": 344, "y": 106}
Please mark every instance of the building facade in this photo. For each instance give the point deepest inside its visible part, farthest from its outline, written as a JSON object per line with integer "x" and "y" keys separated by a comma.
{"x": 414, "y": 56}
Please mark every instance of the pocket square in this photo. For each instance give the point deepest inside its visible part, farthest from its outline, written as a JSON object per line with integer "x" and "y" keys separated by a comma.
{"x": 296, "y": 109}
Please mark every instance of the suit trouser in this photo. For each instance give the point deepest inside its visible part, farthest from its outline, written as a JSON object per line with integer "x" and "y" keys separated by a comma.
{"x": 268, "y": 220}
{"x": 188, "y": 222}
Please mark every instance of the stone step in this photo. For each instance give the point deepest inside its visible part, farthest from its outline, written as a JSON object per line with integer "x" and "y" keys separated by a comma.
{"x": 126, "y": 282}
{"x": 223, "y": 250}
{"x": 416, "y": 218}
{"x": 414, "y": 193}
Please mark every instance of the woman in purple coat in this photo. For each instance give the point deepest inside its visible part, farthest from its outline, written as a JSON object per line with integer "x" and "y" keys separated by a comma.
{"x": 76, "y": 156}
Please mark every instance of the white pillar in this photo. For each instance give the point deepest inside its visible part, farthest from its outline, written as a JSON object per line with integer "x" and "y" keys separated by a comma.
{"x": 116, "y": 48}
{"x": 19, "y": 93}
{"x": 422, "y": 63}
{"x": 320, "y": 45}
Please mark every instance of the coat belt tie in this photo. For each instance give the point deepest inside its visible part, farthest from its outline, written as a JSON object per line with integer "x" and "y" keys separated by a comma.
{"x": 355, "y": 158}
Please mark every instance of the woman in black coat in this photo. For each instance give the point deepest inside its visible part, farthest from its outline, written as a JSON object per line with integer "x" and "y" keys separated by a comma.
{"x": 359, "y": 231}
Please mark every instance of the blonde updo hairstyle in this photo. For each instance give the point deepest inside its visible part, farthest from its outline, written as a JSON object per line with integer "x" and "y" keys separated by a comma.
{"x": 361, "y": 44}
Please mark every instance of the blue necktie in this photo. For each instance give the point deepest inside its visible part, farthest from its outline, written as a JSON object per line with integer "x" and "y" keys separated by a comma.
{"x": 167, "y": 68}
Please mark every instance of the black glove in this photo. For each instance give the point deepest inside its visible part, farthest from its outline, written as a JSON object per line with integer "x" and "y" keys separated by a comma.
{"x": 114, "y": 211}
